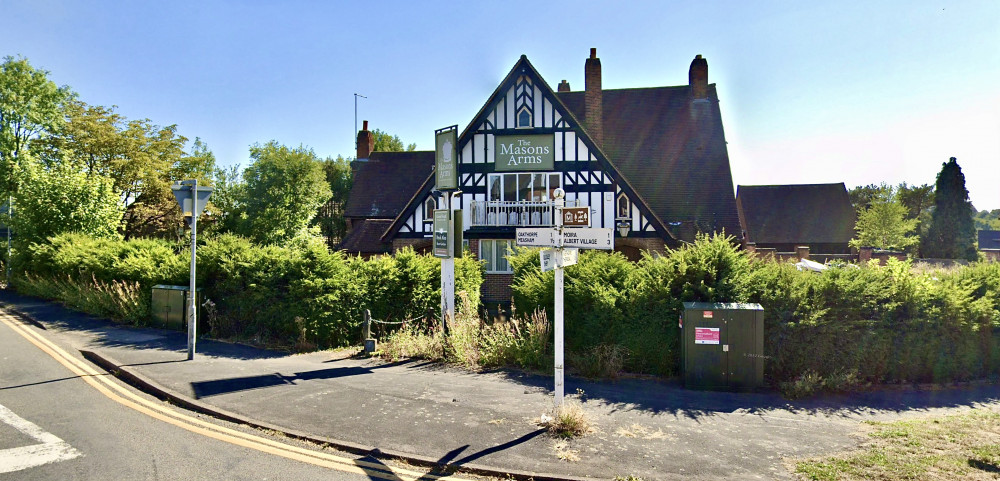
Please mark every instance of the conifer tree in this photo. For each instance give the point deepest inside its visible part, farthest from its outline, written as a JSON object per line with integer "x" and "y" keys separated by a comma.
{"x": 952, "y": 232}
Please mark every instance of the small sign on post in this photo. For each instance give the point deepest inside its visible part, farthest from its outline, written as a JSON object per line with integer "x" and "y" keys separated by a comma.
{"x": 552, "y": 258}
{"x": 576, "y": 216}
{"x": 589, "y": 238}
{"x": 536, "y": 237}
{"x": 442, "y": 233}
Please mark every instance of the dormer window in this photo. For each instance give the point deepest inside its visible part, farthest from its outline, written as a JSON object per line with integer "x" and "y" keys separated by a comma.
{"x": 524, "y": 118}
{"x": 429, "y": 206}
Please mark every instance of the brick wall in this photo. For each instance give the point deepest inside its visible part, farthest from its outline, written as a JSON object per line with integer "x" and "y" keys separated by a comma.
{"x": 496, "y": 287}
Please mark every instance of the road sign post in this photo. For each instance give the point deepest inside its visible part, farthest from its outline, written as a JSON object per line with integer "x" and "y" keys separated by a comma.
{"x": 565, "y": 243}
{"x": 560, "y": 201}
{"x": 192, "y": 200}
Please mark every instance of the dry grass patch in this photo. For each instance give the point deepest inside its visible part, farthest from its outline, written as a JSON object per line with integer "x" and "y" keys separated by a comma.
{"x": 569, "y": 420}
{"x": 564, "y": 453}
{"x": 962, "y": 446}
{"x": 640, "y": 431}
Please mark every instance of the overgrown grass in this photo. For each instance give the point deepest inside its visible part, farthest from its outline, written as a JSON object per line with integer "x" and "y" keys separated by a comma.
{"x": 475, "y": 343}
{"x": 963, "y": 446}
{"x": 122, "y": 301}
{"x": 568, "y": 420}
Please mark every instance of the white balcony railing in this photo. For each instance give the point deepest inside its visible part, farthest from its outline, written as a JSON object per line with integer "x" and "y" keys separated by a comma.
{"x": 513, "y": 214}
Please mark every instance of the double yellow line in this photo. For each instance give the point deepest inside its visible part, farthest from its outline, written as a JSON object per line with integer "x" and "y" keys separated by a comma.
{"x": 125, "y": 397}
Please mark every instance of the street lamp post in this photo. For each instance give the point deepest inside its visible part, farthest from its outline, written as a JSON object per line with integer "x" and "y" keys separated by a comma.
{"x": 192, "y": 200}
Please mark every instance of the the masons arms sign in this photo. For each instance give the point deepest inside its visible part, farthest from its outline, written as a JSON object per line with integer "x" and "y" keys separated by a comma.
{"x": 446, "y": 159}
{"x": 524, "y": 152}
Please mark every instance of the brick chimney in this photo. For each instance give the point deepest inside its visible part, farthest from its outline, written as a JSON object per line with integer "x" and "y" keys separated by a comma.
{"x": 563, "y": 86}
{"x": 593, "y": 98}
{"x": 366, "y": 142}
{"x": 698, "y": 78}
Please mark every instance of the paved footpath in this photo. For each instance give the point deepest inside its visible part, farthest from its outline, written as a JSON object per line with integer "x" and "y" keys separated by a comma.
{"x": 644, "y": 428}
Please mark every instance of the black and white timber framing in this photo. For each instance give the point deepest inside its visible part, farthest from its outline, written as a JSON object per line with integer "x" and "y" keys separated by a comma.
{"x": 582, "y": 169}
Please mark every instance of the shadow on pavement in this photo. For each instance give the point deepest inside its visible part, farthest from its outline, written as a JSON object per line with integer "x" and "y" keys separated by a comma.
{"x": 215, "y": 387}
{"x": 449, "y": 457}
{"x": 657, "y": 396}
{"x": 375, "y": 469}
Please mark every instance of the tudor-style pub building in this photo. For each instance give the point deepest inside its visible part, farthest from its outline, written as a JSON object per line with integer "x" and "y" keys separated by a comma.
{"x": 650, "y": 163}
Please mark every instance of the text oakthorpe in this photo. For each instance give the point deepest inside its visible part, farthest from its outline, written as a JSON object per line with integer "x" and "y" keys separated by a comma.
{"x": 525, "y": 152}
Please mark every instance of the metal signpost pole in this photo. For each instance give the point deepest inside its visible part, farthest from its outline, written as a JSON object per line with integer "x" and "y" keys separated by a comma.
{"x": 558, "y": 321}
{"x": 448, "y": 273}
{"x": 192, "y": 302}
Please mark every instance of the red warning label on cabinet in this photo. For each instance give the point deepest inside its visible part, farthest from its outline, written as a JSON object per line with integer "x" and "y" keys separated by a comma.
{"x": 706, "y": 314}
{"x": 706, "y": 335}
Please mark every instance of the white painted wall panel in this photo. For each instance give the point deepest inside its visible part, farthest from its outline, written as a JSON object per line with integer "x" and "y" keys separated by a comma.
{"x": 509, "y": 108}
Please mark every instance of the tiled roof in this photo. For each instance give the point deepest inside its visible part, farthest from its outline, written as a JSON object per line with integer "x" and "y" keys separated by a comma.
{"x": 385, "y": 182}
{"x": 807, "y": 213}
{"x": 989, "y": 239}
{"x": 673, "y": 153}
{"x": 365, "y": 237}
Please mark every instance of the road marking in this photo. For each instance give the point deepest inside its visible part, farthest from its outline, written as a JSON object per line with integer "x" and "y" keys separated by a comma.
{"x": 101, "y": 383}
{"x": 51, "y": 450}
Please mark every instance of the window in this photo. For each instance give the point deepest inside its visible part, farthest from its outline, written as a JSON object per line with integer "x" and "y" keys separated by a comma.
{"x": 523, "y": 187}
{"x": 524, "y": 118}
{"x": 494, "y": 252}
{"x": 429, "y": 206}
{"x": 623, "y": 207}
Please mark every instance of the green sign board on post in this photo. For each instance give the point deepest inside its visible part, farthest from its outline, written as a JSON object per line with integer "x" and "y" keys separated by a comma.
{"x": 446, "y": 159}
{"x": 524, "y": 152}
{"x": 442, "y": 233}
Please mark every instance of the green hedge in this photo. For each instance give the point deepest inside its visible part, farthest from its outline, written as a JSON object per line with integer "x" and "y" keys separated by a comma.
{"x": 867, "y": 324}
{"x": 265, "y": 294}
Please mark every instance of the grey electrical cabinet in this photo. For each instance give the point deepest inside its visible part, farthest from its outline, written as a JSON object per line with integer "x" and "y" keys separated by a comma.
{"x": 169, "y": 306}
{"x": 722, "y": 346}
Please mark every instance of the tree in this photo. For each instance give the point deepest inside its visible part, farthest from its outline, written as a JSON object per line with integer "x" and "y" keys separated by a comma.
{"x": 987, "y": 219}
{"x": 952, "y": 233}
{"x": 142, "y": 159}
{"x": 284, "y": 188}
{"x": 30, "y": 105}
{"x": 330, "y": 218}
{"x": 61, "y": 199}
{"x": 883, "y": 224}
{"x": 386, "y": 142}
{"x": 861, "y": 197}
{"x": 919, "y": 203}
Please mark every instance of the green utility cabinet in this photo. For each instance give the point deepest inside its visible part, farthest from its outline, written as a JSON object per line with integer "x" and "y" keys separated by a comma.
{"x": 170, "y": 306}
{"x": 722, "y": 346}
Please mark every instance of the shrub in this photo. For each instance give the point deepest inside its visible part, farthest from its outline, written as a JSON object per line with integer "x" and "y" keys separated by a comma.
{"x": 291, "y": 296}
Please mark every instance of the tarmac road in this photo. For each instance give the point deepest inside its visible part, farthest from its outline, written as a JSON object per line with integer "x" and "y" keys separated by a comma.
{"x": 59, "y": 424}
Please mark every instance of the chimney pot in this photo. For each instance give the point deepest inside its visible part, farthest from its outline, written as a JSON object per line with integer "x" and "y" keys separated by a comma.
{"x": 593, "y": 52}
{"x": 698, "y": 78}
{"x": 563, "y": 86}
{"x": 366, "y": 142}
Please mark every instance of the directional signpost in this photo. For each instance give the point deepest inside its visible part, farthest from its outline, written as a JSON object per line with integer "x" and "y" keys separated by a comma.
{"x": 192, "y": 199}
{"x": 566, "y": 244}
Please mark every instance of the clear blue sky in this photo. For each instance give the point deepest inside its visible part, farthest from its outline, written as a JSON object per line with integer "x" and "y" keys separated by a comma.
{"x": 859, "y": 92}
